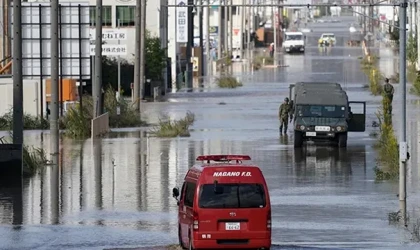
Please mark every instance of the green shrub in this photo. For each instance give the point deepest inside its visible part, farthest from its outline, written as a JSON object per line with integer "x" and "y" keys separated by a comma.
{"x": 375, "y": 79}
{"x": 415, "y": 89}
{"x": 260, "y": 61}
{"x": 29, "y": 122}
{"x": 33, "y": 160}
{"x": 368, "y": 62}
{"x": 412, "y": 49}
{"x": 174, "y": 128}
{"x": 77, "y": 121}
{"x": 228, "y": 82}
{"x": 387, "y": 145}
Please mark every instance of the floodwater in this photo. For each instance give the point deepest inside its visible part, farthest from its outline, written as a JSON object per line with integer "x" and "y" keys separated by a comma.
{"x": 116, "y": 192}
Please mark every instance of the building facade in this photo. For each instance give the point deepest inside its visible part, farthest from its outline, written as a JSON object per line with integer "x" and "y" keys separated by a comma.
{"x": 121, "y": 14}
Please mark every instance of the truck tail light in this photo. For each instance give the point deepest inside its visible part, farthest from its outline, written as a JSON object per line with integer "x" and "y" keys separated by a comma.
{"x": 269, "y": 219}
{"x": 195, "y": 220}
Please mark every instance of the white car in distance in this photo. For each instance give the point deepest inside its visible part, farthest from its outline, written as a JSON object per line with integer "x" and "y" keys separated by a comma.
{"x": 327, "y": 38}
{"x": 294, "y": 42}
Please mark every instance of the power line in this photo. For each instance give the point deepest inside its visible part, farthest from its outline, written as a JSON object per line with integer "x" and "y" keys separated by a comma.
{"x": 289, "y": 5}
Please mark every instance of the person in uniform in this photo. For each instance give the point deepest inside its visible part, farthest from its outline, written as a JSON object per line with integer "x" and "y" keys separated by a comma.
{"x": 284, "y": 112}
{"x": 389, "y": 90}
{"x": 389, "y": 95}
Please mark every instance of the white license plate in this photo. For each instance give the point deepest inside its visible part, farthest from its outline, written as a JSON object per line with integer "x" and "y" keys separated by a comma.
{"x": 233, "y": 226}
{"x": 322, "y": 128}
{"x": 310, "y": 133}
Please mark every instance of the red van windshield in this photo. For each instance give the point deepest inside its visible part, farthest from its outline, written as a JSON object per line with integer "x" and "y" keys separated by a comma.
{"x": 232, "y": 196}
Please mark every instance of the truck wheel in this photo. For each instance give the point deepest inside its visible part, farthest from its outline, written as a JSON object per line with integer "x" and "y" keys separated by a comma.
{"x": 342, "y": 140}
{"x": 298, "y": 139}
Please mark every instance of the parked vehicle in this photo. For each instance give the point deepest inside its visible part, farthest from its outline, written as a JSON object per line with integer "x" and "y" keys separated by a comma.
{"x": 294, "y": 42}
{"x": 327, "y": 39}
{"x": 322, "y": 112}
{"x": 224, "y": 204}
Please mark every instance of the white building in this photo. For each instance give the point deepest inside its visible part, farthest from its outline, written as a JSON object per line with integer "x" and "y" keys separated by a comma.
{"x": 125, "y": 12}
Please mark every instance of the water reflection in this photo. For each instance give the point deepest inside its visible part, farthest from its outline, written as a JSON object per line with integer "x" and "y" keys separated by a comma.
{"x": 11, "y": 200}
{"x": 313, "y": 163}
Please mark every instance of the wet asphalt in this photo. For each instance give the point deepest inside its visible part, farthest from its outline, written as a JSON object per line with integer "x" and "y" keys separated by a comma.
{"x": 116, "y": 192}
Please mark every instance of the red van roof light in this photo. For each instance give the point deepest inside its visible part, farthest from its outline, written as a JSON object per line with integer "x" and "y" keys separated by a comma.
{"x": 223, "y": 158}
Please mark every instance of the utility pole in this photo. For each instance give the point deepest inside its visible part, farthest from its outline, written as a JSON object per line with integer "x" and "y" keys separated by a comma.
{"x": 201, "y": 63}
{"x": 219, "y": 33}
{"x": 209, "y": 59}
{"x": 364, "y": 20}
{"x": 137, "y": 52}
{"x": 225, "y": 28}
{"x": 97, "y": 95}
{"x": 54, "y": 139}
{"x": 274, "y": 24}
{"x": 242, "y": 35}
{"x": 142, "y": 50}
{"x": 403, "y": 148}
{"x": 190, "y": 44}
{"x": 418, "y": 35}
{"x": 248, "y": 36}
{"x": 17, "y": 74}
{"x": 119, "y": 65}
{"x": 231, "y": 28}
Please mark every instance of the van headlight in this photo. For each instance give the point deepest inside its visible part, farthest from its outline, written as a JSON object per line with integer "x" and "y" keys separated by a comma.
{"x": 339, "y": 129}
{"x": 302, "y": 127}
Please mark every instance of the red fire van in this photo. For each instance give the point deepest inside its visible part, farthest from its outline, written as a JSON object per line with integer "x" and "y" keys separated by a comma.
{"x": 224, "y": 204}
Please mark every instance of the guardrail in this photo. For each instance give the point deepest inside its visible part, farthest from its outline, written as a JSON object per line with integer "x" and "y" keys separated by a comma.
{"x": 100, "y": 125}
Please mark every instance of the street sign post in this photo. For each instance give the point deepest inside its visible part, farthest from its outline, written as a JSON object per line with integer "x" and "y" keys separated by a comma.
{"x": 181, "y": 21}
{"x": 110, "y": 36}
{"x": 111, "y": 50}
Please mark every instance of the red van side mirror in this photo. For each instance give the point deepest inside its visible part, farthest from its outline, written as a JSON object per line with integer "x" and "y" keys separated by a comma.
{"x": 175, "y": 193}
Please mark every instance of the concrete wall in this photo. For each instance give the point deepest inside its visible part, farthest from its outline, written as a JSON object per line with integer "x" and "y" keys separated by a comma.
{"x": 100, "y": 125}
{"x": 31, "y": 96}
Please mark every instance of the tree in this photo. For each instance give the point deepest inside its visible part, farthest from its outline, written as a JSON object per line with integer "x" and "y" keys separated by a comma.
{"x": 155, "y": 63}
{"x": 155, "y": 58}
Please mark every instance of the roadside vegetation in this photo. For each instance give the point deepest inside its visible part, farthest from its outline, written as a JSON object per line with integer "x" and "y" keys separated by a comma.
{"x": 34, "y": 158}
{"x": 77, "y": 121}
{"x": 29, "y": 122}
{"x": 387, "y": 144}
{"x": 369, "y": 67}
{"x": 261, "y": 61}
{"x": 395, "y": 218}
{"x": 228, "y": 81}
{"x": 415, "y": 88}
{"x": 168, "y": 128}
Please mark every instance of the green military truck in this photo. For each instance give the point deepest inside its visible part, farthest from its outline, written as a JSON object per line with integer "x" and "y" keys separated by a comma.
{"x": 322, "y": 112}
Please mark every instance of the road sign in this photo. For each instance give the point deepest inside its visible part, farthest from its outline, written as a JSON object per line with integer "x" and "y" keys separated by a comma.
{"x": 110, "y": 34}
{"x": 182, "y": 22}
{"x": 195, "y": 64}
{"x": 111, "y": 50}
{"x": 214, "y": 30}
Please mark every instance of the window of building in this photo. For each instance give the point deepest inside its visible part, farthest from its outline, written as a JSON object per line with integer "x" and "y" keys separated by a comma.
{"x": 235, "y": 10}
{"x": 126, "y": 15}
{"x": 106, "y": 15}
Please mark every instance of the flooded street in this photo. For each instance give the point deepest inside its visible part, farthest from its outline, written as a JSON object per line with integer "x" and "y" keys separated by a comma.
{"x": 117, "y": 192}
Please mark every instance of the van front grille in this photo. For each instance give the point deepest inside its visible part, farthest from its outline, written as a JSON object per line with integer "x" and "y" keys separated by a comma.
{"x": 233, "y": 242}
